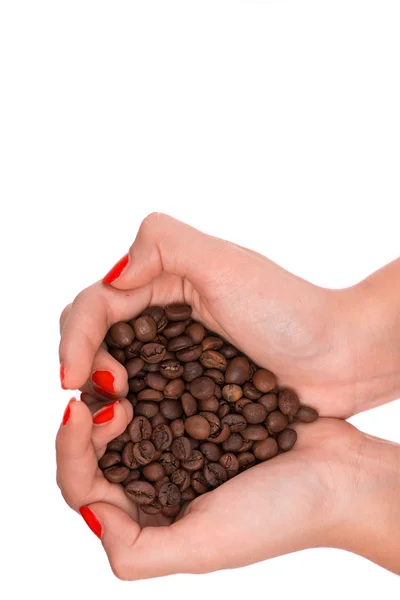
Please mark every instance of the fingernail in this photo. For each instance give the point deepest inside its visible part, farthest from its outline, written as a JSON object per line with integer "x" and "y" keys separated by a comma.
{"x": 104, "y": 415}
{"x": 117, "y": 270}
{"x": 62, "y": 376}
{"x": 67, "y": 412}
{"x": 91, "y": 520}
{"x": 105, "y": 380}
{"x": 103, "y": 393}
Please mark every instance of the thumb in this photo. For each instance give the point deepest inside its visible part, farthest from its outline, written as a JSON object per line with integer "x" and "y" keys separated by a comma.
{"x": 164, "y": 244}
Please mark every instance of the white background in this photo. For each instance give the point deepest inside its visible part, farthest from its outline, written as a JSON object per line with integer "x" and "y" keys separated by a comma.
{"x": 275, "y": 124}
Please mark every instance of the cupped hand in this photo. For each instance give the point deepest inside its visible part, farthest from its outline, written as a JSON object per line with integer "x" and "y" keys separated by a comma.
{"x": 297, "y": 330}
{"x": 289, "y": 503}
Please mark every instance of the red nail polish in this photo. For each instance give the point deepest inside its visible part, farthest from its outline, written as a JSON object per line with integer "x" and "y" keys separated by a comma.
{"x": 105, "y": 380}
{"x": 101, "y": 392}
{"x": 117, "y": 270}
{"x": 104, "y": 415}
{"x": 62, "y": 376}
{"x": 91, "y": 520}
{"x": 67, "y": 412}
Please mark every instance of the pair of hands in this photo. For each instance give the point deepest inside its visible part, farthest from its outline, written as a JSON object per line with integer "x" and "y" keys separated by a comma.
{"x": 316, "y": 495}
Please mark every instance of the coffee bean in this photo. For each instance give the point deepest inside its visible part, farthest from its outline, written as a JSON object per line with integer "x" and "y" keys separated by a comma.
{"x": 188, "y": 495}
{"x": 182, "y": 448}
{"x": 139, "y": 429}
{"x": 254, "y": 413}
{"x": 208, "y": 404}
{"x": 159, "y": 419}
{"x": 240, "y": 404}
{"x": 215, "y": 474}
{"x": 154, "y": 471}
{"x": 199, "y": 483}
{"x": 196, "y": 331}
{"x": 116, "y": 473}
{"x": 177, "y": 428}
{"x": 211, "y": 342}
{"x": 151, "y": 509}
{"x": 178, "y": 312}
{"x": 136, "y": 385}
{"x": 150, "y": 395}
{"x": 246, "y": 460}
{"x": 110, "y": 342}
{"x": 153, "y": 353}
{"x": 237, "y": 371}
{"x": 174, "y": 329}
{"x": 228, "y": 351}
{"x": 236, "y": 422}
{"x": 156, "y": 312}
{"x": 141, "y": 492}
{"x": 146, "y": 409}
{"x": 232, "y": 443}
{"x": 232, "y": 392}
{"x": 230, "y": 464}
{"x": 264, "y": 380}
{"x": 152, "y": 367}
{"x": 134, "y": 475}
{"x": 122, "y": 334}
{"x": 134, "y": 366}
{"x": 109, "y": 459}
{"x": 288, "y": 402}
{"x": 276, "y": 421}
{"x": 189, "y": 404}
{"x": 144, "y": 451}
{"x": 306, "y": 414}
{"x": 179, "y": 343}
{"x": 156, "y": 381}
{"x": 171, "y": 511}
{"x": 115, "y": 446}
{"x": 128, "y": 457}
{"x": 265, "y": 449}
{"x": 255, "y": 432}
{"x": 224, "y": 409}
{"x": 169, "y": 462}
{"x": 171, "y": 409}
{"x": 270, "y": 401}
{"x": 220, "y": 436}
{"x": 133, "y": 350}
{"x": 118, "y": 354}
{"x": 145, "y": 328}
{"x": 198, "y": 427}
{"x": 211, "y": 359}
{"x": 162, "y": 437}
{"x": 251, "y": 392}
{"x": 287, "y": 439}
{"x": 169, "y": 495}
{"x": 195, "y": 462}
{"x": 190, "y": 354}
{"x": 211, "y": 451}
{"x": 202, "y": 388}
{"x": 192, "y": 370}
{"x": 215, "y": 375}
{"x": 246, "y": 445}
{"x": 174, "y": 389}
{"x": 181, "y": 478}
{"x": 171, "y": 369}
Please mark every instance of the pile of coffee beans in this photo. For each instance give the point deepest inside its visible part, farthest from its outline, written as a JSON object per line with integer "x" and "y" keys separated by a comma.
{"x": 203, "y": 411}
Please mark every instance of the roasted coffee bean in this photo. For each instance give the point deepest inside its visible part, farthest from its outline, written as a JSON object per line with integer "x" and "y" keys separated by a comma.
{"x": 115, "y": 446}
{"x": 182, "y": 448}
{"x": 246, "y": 460}
{"x": 169, "y": 462}
{"x": 232, "y": 392}
{"x": 152, "y": 367}
{"x": 110, "y": 342}
{"x": 236, "y": 422}
{"x": 209, "y": 404}
{"x": 144, "y": 451}
{"x": 145, "y": 328}
{"x": 132, "y": 398}
{"x": 174, "y": 389}
{"x": 237, "y": 371}
{"x": 306, "y": 414}
{"x": 190, "y": 354}
{"x": 177, "y": 428}
{"x": 109, "y": 459}
{"x": 156, "y": 381}
{"x": 265, "y": 449}
{"x": 133, "y": 366}
{"x": 134, "y": 475}
{"x": 264, "y": 380}
{"x": 195, "y": 443}
{"x": 189, "y": 404}
{"x": 211, "y": 451}
{"x": 255, "y": 432}
{"x": 150, "y": 395}
{"x": 178, "y": 312}
{"x": 196, "y": 331}
{"x": 136, "y": 385}
{"x": 122, "y": 334}
{"x": 199, "y": 483}
{"x": 118, "y": 354}
{"x": 172, "y": 409}
{"x": 153, "y": 352}
{"x": 254, "y": 413}
{"x": 154, "y": 471}
{"x": 214, "y": 421}
{"x": 276, "y": 421}
{"x": 179, "y": 343}
{"x": 156, "y": 312}
{"x": 174, "y": 329}
{"x": 181, "y": 478}
{"x": 211, "y": 359}
{"x": 251, "y": 392}
{"x": 211, "y": 342}
{"x": 146, "y": 409}
{"x": 159, "y": 419}
{"x": 287, "y": 439}
{"x": 133, "y": 350}
{"x": 171, "y": 369}
{"x": 228, "y": 351}
{"x": 224, "y": 409}
{"x": 215, "y": 375}
{"x": 169, "y": 495}
{"x": 288, "y": 402}
{"x": 270, "y": 401}
{"x": 233, "y": 443}
{"x": 220, "y": 436}
{"x": 171, "y": 511}
{"x": 192, "y": 370}
{"x": 141, "y": 492}
{"x": 246, "y": 445}
{"x": 240, "y": 404}
{"x": 230, "y": 464}
{"x": 215, "y": 474}
{"x": 139, "y": 429}
{"x": 162, "y": 437}
{"x": 188, "y": 495}
{"x": 195, "y": 462}
{"x": 160, "y": 482}
{"x": 202, "y": 388}
{"x": 198, "y": 427}
{"x": 151, "y": 509}
{"x": 116, "y": 474}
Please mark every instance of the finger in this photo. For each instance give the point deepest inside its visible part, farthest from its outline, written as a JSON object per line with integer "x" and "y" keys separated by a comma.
{"x": 109, "y": 422}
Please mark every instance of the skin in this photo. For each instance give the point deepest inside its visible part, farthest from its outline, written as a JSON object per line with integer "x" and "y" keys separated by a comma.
{"x": 336, "y": 348}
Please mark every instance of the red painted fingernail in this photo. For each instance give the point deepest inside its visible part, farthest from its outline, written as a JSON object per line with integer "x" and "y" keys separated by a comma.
{"x": 104, "y": 415}
{"x": 105, "y": 380}
{"x": 91, "y": 520}
{"x": 62, "y": 376}
{"x": 103, "y": 393}
{"x": 67, "y": 412}
{"x": 117, "y": 270}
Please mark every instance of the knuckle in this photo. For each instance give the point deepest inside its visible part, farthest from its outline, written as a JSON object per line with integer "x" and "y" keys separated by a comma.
{"x": 64, "y": 314}
{"x": 120, "y": 569}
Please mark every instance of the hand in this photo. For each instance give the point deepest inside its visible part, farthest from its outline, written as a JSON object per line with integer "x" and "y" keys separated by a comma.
{"x": 303, "y": 333}
{"x": 336, "y": 487}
